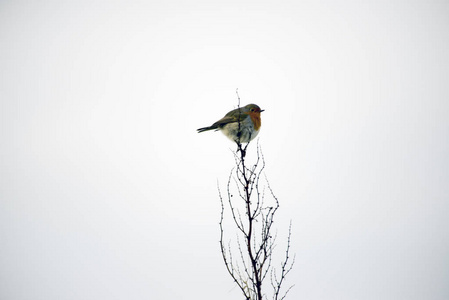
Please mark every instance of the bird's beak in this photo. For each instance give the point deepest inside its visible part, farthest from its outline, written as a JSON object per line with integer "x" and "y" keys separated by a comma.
{"x": 262, "y": 110}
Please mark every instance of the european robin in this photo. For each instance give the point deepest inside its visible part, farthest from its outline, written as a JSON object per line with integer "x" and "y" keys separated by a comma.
{"x": 241, "y": 125}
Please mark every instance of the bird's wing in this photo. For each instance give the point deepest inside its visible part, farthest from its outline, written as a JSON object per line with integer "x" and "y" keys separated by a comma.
{"x": 236, "y": 114}
{"x": 231, "y": 117}
{"x": 223, "y": 121}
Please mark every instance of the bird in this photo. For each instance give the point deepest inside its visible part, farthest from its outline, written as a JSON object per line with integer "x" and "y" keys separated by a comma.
{"x": 241, "y": 125}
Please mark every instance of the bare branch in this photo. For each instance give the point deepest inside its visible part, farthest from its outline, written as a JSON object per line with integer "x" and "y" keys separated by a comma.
{"x": 253, "y": 212}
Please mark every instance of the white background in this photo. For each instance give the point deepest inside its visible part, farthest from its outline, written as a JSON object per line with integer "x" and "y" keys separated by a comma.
{"x": 108, "y": 192}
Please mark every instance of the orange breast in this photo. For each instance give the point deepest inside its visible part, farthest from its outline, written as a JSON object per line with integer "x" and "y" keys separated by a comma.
{"x": 255, "y": 117}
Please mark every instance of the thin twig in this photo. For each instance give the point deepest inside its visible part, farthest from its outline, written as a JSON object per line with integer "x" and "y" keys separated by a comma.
{"x": 252, "y": 213}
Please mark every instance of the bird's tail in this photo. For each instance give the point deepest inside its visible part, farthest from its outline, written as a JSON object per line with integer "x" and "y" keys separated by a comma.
{"x": 206, "y": 129}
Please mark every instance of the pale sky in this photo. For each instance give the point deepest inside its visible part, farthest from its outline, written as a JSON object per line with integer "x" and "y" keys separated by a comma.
{"x": 108, "y": 192}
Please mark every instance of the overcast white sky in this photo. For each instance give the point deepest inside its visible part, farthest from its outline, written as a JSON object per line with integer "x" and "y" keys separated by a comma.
{"x": 108, "y": 192}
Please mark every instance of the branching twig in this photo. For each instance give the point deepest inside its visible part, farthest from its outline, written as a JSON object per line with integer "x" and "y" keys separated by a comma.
{"x": 255, "y": 241}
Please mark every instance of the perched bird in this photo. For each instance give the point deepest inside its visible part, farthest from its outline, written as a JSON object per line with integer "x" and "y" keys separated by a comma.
{"x": 240, "y": 125}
